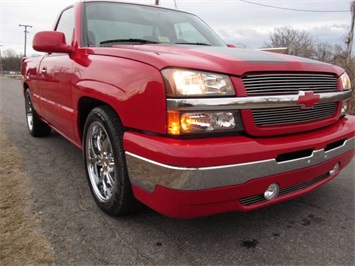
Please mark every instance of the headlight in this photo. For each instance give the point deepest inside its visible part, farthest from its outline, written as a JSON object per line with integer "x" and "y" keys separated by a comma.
{"x": 346, "y": 85}
{"x": 345, "y": 81}
{"x": 190, "y": 83}
{"x": 207, "y": 121}
{"x": 200, "y": 122}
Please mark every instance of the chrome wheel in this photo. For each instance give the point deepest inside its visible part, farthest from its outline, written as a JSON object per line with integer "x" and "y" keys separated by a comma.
{"x": 29, "y": 112}
{"x": 105, "y": 163}
{"x": 36, "y": 126}
{"x": 100, "y": 162}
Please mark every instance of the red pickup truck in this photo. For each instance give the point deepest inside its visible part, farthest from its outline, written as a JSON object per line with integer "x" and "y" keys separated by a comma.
{"x": 169, "y": 116}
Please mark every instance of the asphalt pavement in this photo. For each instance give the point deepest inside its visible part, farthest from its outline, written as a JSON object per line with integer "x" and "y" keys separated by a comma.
{"x": 316, "y": 229}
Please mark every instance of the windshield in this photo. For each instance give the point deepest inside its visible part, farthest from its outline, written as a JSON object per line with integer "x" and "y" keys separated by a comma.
{"x": 110, "y": 24}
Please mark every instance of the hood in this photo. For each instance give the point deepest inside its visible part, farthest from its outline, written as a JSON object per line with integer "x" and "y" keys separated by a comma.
{"x": 232, "y": 61}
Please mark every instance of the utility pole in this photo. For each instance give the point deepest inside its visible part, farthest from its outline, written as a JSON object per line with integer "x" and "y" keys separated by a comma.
{"x": 156, "y": 2}
{"x": 1, "y": 65}
{"x": 349, "y": 40}
{"x": 25, "y": 26}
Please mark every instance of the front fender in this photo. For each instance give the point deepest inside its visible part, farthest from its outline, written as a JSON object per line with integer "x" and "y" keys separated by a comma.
{"x": 133, "y": 89}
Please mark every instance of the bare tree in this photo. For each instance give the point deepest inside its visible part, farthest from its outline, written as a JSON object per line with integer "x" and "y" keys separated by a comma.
{"x": 11, "y": 60}
{"x": 298, "y": 42}
{"x": 324, "y": 52}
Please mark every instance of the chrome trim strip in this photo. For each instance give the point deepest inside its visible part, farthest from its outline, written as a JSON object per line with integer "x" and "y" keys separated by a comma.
{"x": 191, "y": 168}
{"x": 147, "y": 173}
{"x": 254, "y": 102}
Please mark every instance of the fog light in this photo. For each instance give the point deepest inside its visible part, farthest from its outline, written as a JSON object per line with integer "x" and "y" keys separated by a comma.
{"x": 272, "y": 191}
{"x": 335, "y": 169}
{"x": 344, "y": 108}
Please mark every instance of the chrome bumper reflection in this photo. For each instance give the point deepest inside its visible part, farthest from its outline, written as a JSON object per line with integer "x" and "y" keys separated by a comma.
{"x": 254, "y": 102}
{"x": 147, "y": 174}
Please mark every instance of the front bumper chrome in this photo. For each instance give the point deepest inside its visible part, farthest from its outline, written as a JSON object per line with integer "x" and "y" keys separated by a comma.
{"x": 147, "y": 174}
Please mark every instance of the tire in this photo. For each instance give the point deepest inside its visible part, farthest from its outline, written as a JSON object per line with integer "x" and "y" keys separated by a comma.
{"x": 105, "y": 163}
{"x": 35, "y": 125}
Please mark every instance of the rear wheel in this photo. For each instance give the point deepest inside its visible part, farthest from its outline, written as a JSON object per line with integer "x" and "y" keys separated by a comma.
{"x": 105, "y": 162}
{"x": 35, "y": 125}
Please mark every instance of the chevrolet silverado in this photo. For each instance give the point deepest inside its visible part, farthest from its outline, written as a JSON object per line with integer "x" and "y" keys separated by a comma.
{"x": 168, "y": 115}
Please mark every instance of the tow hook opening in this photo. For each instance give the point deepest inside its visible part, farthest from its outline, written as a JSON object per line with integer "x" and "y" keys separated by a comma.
{"x": 293, "y": 155}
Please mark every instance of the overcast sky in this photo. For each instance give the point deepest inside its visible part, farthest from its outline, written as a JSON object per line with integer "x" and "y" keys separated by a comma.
{"x": 237, "y": 21}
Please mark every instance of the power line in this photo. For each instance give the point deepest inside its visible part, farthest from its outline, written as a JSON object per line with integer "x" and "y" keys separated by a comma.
{"x": 295, "y": 9}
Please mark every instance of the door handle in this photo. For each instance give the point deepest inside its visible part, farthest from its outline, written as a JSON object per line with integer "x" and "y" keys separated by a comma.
{"x": 44, "y": 70}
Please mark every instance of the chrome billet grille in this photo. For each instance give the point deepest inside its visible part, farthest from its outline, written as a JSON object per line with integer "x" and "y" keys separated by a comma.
{"x": 284, "y": 191}
{"x": 290, "y": 84}
{"x": 292, "y": 115}
{"x": 281, "y": 84}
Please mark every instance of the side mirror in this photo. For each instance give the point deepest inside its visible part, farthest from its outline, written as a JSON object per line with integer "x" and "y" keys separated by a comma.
{"x": 51, "y": 42}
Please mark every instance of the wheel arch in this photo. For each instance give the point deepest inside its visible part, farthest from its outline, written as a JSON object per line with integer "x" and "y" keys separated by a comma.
{"x": 85, "y": 105}
{"x": 25, "y": 86}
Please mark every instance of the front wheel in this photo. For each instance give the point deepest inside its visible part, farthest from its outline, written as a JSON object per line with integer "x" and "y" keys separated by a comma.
{"x": 35, "y": 125}
{"x": 105, "y": 162}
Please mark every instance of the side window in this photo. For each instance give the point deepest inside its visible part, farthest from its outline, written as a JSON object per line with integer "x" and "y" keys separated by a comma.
{"x": 66, "y": 24}
{"x": 187, "y": 32}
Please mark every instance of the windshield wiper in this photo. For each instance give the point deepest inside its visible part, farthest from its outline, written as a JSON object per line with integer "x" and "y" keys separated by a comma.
{"x": 141, "y": 41}
{"x": 194, "y": 43}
